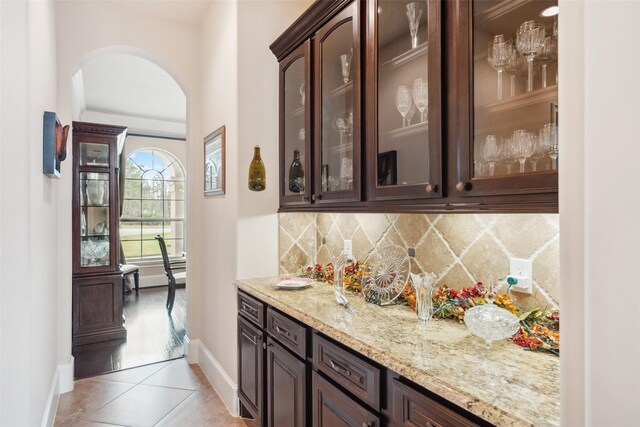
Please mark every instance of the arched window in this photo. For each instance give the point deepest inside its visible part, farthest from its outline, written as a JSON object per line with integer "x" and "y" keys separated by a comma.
{"x": 153, "y": 204}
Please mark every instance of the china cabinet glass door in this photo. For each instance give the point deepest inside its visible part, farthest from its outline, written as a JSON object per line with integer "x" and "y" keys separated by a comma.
{"x": 403, "y": 99}
{"x": 513, "y": 144}
{"x": 337, "y": 108}
{"x": 295, "y": 120}
{"x": 94, "y": 220}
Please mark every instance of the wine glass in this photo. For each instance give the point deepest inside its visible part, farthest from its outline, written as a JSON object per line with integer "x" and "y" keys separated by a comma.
{"x": 413, "y": 14}
{"x": 514, "y": 66}
{"x": 340, "y": 124}
{"x": 498, "y": 53}
{"x": 508, "y": 154}
{"x": 301, "y": 134}
{"x": 550, "y": 133}
{"x": 345, "y": 60}
{"x": 403, "y": 102}
{"x": 411, "y": 113}
{"x": 539, "y": 151}
{"x": 547, "y": 55}
{"x": 523, "y": 146}
{"x": 529, "y": 41}
{"x": 491, "y": 152}
{"x": 421, "y": 97}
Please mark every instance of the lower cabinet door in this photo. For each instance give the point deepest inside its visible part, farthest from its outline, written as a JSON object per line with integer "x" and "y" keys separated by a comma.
{"x": 286, "y": 387}
{"x": 250, "y": 368}
{"x": 333, "y": 408}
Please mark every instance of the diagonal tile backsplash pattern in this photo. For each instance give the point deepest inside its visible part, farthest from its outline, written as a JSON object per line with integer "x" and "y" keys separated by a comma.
{"x": 461, "y": 249}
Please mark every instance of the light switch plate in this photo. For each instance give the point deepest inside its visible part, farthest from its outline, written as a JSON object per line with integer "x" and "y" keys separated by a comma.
{"x": 522, "y": 269}
{"x": 348, "y": 250}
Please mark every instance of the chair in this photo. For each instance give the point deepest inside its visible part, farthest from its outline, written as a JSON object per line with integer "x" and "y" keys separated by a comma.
{"x": 174, "y": 278}
{"x": 128, "y": 269}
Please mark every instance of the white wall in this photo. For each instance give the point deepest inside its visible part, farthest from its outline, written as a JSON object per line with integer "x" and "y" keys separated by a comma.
{"x": 29, "y": 217}
{"x": 85, "y": 30}
{"x": 599, "y": 211}
{"x": 240, "y": 90}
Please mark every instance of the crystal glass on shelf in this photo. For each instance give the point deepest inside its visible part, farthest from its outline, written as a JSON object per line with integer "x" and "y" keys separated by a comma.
{"x": 301, "y": 134}
{"x": 549, "y": 140}
{"x": 498, "y": 53}
{"x": 93, "y": 250}
{"x": 529, "y": 41}
{"x": 522, "y": 146}
{"x": 490, "y": 322}
{"x": 414, "y": 12}
{"x": 345, "y": 60}
{"x": 424, "y": 285}
{"x": 491, "y": 152}
{"x": 411, "y": 113}
{"x": 341, "y": 125}
{"x": 539, "y": 152}
{"x": 403, "y": 102}
{"x": 508, "y": 154}
{"x": 514, "y": 66}
{"x": 421, "y": 97}
{"x": 548, "y": 54}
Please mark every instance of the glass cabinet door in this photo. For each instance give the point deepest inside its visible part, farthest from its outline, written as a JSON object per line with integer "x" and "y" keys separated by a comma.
{"x": 513, "y": 146}
{"x": 94, "y": 220}
{"x": 337, "y": 108}
{"x": 295, "y": 119}
{"x": 404, "y": 87}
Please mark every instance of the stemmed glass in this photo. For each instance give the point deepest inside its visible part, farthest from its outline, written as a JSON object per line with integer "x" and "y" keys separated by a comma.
{"x": 529, "y": 41}
{"x": 340, "y": 124}
{"x": 413, "y": 14}
{"x": 514, "y": 65}
{"x": 421, "y": 96}
{"x": 411, "y": 113}
{"x": 547, "y": 55}
{"x": 345, "y": 60}
{"x": 549, "y": 136}
{"x": 491, "y": 152}
{"x": 508, "y": 154}
{"x": 523, "y": 146}
{"x": 403, "y": 102}
{"x": 498, "y": 53}
{"x": 539, "y": 152}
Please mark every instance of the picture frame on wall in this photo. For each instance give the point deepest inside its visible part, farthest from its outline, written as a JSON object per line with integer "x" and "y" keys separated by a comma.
{"x": 214, "y": 163}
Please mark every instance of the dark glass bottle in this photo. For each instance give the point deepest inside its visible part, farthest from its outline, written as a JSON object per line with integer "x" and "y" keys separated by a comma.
{"x": 296, "y": 174}
{"x": 257, "y": 174}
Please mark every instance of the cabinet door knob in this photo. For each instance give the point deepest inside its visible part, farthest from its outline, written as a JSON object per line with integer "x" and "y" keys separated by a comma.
{"x": 463, "y": 186}
{"x": 313, "y": 197}
{"x": 430, "y": 188}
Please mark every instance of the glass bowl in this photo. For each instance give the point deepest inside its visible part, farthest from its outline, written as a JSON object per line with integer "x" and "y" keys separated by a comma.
{"x": 491, "y": 322}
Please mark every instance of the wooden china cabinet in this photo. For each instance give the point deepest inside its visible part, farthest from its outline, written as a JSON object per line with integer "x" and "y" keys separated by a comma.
{"x": 425, "y": 105}
{"x": 97, "y": 279}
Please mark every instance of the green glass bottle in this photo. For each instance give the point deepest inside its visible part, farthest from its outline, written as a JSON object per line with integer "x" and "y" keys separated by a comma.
{"x": 257, "y": 174}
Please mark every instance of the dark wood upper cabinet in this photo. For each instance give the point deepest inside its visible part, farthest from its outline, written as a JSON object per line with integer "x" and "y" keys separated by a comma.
{"x": 403, "y": 99}
{"x": 337, "y": 148}
{"x": 450, "y": 118}
{"x": 504, "y": 125}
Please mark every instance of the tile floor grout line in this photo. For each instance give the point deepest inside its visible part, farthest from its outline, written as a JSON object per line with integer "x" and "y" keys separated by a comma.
{"x": 176, "y": 407}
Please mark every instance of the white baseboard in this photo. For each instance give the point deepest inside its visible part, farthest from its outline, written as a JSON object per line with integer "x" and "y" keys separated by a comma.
{"x": 52, "y": 401}
{"x": 219, "y": 379}
{"x": 151, "y": 281}
{"x": 66, "y": 376}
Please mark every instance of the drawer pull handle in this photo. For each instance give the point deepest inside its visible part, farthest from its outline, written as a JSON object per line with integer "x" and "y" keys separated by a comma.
{"x": 254, "y": 340}
{"x": 340, "y": 369}
{"x": 282, "y": 331}
{"x": 248, "y": 308}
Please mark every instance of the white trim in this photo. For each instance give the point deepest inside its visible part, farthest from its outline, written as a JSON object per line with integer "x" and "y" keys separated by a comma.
{"x": 65, "y": 376}
{"x": 152, "y": 281}
{"x": 226, "y": 388}
{"x": 50, "y": 409}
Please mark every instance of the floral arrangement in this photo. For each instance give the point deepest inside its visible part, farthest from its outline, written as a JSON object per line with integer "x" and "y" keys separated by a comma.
{"x": 539, "y": 328}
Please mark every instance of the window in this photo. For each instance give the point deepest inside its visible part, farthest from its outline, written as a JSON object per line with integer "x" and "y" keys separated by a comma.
{"x": 153, "y": 204}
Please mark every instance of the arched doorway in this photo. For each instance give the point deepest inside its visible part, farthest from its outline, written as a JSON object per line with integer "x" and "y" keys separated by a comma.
{"x": 120, "y": 88}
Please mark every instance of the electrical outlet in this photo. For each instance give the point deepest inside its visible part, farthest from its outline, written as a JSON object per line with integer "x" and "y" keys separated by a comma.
{"x": 348, "y": 250}
{"x": 522, "y": 271}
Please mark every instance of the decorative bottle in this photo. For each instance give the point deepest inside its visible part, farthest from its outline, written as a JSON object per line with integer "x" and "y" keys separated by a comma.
{"x": 296, "y": 174}
{"x": 257, "y": 174}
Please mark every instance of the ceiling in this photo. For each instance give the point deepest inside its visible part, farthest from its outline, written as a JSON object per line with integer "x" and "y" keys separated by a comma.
{"x": 130, "y": 91}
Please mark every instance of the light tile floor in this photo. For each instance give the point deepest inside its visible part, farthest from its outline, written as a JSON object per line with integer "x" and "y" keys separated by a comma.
{"x": 164, "y": 394}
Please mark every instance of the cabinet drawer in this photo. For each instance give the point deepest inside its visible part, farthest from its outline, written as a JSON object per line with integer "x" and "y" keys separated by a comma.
{"x": 350, "y": 371}
{"x": 411, "y": 408}
{"x": 332, "y": 408}
{"x": 251, "y": 308}
{"x": 288, "y": 332}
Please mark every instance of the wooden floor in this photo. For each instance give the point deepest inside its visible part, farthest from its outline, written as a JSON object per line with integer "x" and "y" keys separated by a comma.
{"x": 152, "y": 335}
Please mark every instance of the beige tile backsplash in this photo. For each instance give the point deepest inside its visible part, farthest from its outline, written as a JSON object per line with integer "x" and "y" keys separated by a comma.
{"x": 461, "y": 249}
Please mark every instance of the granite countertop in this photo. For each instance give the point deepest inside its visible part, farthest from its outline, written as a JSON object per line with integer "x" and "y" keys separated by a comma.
{"x": 504, "y": 384}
